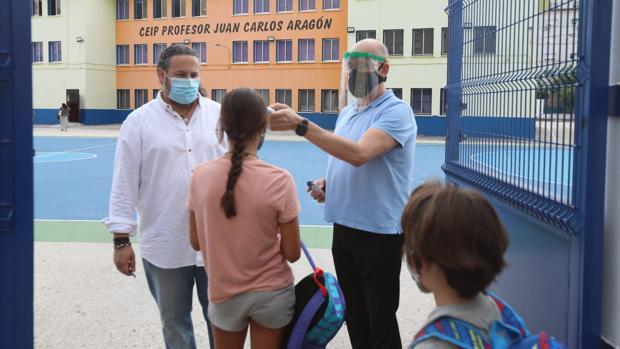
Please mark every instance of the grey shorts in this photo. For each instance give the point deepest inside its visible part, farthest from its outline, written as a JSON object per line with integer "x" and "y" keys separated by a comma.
{"x": 271, "y": 309}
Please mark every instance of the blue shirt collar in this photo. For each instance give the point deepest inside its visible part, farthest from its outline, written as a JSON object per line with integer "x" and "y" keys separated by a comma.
{"x": 385, "y": 96}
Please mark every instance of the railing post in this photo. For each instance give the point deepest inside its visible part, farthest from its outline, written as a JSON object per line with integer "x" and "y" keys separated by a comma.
{"x": 454, "y": 88}
{"x": 611, "y": 251}
{"x": 590, "y": 161}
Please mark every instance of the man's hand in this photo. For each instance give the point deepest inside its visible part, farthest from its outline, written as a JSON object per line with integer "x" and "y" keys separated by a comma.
{"x": 125, "y": 258}
{"x": 284, "y": 118}
{"x": 318, "y": 196}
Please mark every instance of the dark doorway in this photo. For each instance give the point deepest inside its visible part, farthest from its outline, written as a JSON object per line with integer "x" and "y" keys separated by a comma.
{"x": 73, "y": 101}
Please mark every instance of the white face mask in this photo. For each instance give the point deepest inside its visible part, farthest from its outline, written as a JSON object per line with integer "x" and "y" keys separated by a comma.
{"x": 416, "y": 277}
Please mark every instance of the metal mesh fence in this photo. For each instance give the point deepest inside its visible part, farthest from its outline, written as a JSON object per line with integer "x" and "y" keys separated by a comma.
{"x": 513, "y": 92}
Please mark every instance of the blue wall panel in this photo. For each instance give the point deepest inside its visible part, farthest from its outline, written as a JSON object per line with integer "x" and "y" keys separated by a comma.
{"x": 87, "y": 116}
{"x": 103, "y": 116}
{"x": 427, "y": 125}
{"x": 431, "y": 126}
{"x": 326, "y": 121}
{"x": 537, "y": 279}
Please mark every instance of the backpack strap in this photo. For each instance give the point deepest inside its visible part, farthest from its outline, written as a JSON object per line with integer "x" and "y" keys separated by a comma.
{"x": 453, "y": 331}
{"x": 509, "y": 315}
{"x": 303, "y": 322}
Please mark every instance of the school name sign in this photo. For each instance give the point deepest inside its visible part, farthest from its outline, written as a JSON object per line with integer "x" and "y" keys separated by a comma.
{"x": 320, "y": 23}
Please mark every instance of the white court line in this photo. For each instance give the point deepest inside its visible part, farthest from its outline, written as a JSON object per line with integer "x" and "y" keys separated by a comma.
{"x": 74, "y": 150}
{"x": 99, "y": 221}
{"x": 46, "y": 154}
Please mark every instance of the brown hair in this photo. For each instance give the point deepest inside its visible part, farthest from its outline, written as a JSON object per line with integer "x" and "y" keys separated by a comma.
{"x": 243, "y": 116}
{"x": 459, "y": 231}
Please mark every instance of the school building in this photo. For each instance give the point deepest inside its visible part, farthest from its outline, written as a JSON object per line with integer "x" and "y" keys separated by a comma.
{"x": 102, "y": 55}
{"x": 416, "y": 35}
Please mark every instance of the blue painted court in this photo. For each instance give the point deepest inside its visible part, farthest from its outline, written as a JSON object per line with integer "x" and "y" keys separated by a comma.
{"x": 73, "y": 175}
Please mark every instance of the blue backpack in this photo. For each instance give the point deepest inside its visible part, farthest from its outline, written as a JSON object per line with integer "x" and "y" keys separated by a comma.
{"x": 510, "y": 333}
{"x": 319, "y": 310}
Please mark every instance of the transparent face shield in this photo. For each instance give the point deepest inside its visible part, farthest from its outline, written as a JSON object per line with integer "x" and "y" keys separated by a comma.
{"x": 360, "y": 75}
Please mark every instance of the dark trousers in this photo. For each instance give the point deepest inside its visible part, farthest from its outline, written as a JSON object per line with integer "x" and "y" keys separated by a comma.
{"x": 368, "y": 269}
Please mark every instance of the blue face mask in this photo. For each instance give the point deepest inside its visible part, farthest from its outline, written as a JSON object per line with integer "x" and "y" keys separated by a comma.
{"x": 183, "y": 91}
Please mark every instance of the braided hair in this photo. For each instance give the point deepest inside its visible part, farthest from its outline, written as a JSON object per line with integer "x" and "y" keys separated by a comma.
{"x": 243, "y": 117}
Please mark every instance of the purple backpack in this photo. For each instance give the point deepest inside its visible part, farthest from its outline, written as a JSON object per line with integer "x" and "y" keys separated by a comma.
{"x": 319, "y": 310}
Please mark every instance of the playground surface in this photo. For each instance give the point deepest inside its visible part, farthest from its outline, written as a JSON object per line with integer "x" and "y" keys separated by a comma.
{"x": 81, "y": 301}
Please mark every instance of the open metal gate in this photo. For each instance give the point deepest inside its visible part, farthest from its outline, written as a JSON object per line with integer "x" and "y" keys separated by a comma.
{"x": 16, "y": 226}
{"x": 545, "y": 64}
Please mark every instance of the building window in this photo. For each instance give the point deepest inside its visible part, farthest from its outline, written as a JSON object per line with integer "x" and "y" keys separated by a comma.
{"x": 140, "y": 98}
{"x": 444, "y": 41}
{"x": 53, "y": 7}
{"x": 37, "y": 52}
{"x": 37, "y": 7}
{"x": 157, "y": 50}
{"x": 393, "y": 39}
{"x": 178, "y": 8}
{"x": 155, "y": 93}
{"x": 240, "y": 7}
{"x": 122, "y": 9}
{"x": 306, "y": 50}
{"x": 398, "y": 92}
{"x": 201, "y": 50}
{"x": 140, "y": 54}
{"x": 218, "y": 95}
{"x": 284, "y": 50}
{"x": 139, "y": 9}
{"x": 240, "y": 52}
{"x": 331, "y": 50}
{"x": 199, "y": 8}
{"x": 284, "y": 97}
{"x": 160, "y": 8}
{"x": 331, "y": 4}
{"x": 122, "y": 99}
{"x": 306, "y": 101}
{"x": 421, "y": 100}
{"x": 307, "y": 5}
{"x": 365, "y": 34}
{"x": 329, "y": 101}
{"x": 265, "y": 94}
{"x": 261, "y": 6}
{"x": 443, "y": 102}
{"x": 484, "y": 39}
{"x": 122, "y": 54}
{"x": 261, "y": 51}
{"x": 55, "y": 52}
{"x": 423, "y": 41}
{"x": 284, "y": 5}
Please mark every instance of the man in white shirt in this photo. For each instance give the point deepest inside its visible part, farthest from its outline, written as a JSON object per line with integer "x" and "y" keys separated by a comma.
{"x": 159, "y": 145}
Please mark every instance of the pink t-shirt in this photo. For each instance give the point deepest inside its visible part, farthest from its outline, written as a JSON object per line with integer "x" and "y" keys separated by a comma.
{"x": 242, "y": 254}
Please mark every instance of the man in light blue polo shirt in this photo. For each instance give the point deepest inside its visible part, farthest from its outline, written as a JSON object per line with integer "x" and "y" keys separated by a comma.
{"x": 368, "y": 182}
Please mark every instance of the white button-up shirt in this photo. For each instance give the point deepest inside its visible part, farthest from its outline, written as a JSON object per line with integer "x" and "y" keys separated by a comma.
{"x": 155, "y": 156}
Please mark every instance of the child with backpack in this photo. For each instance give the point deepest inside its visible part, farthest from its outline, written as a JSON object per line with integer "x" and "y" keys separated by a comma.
{"x": 454, "y": 248}
{"x": 243, "y": 217}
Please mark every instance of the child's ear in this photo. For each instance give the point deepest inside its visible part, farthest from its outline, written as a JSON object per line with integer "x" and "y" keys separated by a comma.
{"x": 426, "y": 266}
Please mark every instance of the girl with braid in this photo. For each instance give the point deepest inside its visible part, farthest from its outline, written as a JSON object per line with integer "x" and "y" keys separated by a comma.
{"x": 243, "y": 217}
